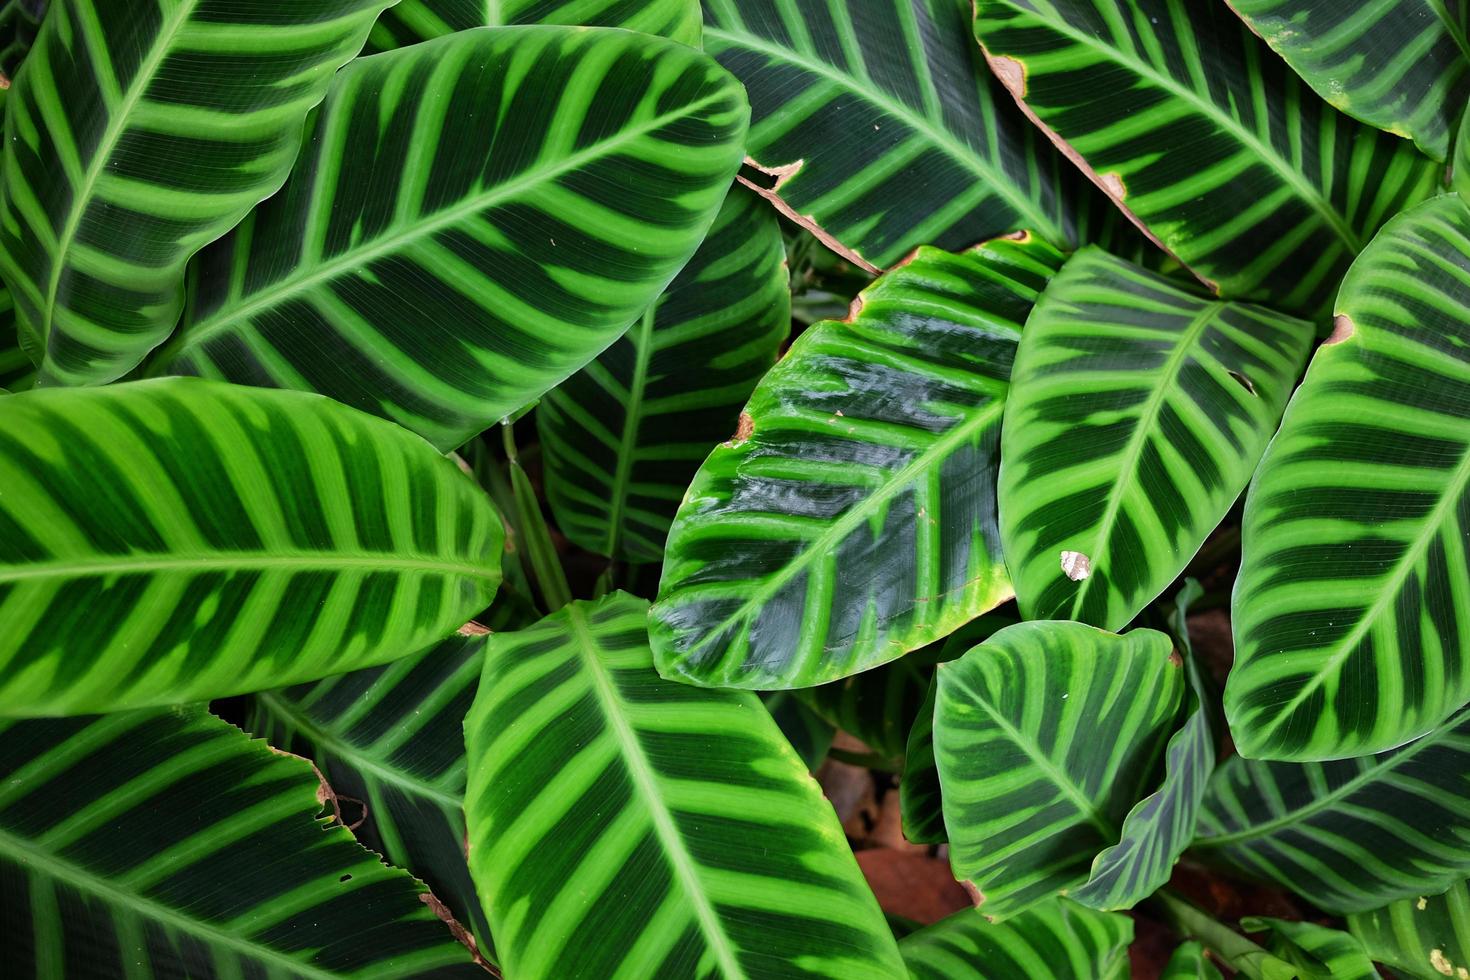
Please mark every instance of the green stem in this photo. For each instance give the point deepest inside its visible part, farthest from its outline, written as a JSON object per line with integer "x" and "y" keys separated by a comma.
{"x": 535, "y": 538}
{"x": 1193, "y": 922}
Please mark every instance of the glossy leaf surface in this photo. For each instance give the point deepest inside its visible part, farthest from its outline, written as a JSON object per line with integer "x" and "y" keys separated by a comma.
{"x": 1350, "y": 835}
{"x": 672, "y": 823}
{"x": 852, "y": 517}
{"x": 167, "y": 843}
{"x": 1400, "y": 65}
{"x": 1207, "y": 139}
{"x": 623, "y": 437}
{"x": 140, "y": 131}
{"x": 177, "y": 540}
{"x": 445, "y": 283}
{"x": 411, "y": 21}
{"x": 1045, "y": 736}
{"x": 1137, "y": 413}
{"x": 1427, "y": 936}
{"x": 1057, "y": 939}
{"x": 1351, "y": 634}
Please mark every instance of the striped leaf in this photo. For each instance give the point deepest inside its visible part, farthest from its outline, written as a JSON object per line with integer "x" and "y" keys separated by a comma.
{"x": 1460, "y": 165}
{"x": 1056, "y": 939}
{"x": 1427, "y": 936}
{"x": 1206, "y": 139}
{"x": 624, "y": 825}
{"x": 20, "y": 22}
{"x": 17, "y": 371}
{"x": 883, "y": 130}
{"x": 168, "y": 844}
{"x": 1045, "y": 736}
{"x": 1136, "y": 416}
{"x": 411, "y": 21}
{"x": 177, "y": 540}
{"x": 140, "y": 131}
{"x": 1350, "y": 631}
{"x": 393, "y": 737}
{"x": 1315, "y": 951}
{"x": 1159, "y": 828}
{"x": 623, "y": 437}
{"x": 1350, "y": 835}
{"x": 1189, "y": 962}
{"x": 444, "y": 271}
{"x": 1400, "y": 65}
{"x": 809, "y": 733}
{"x": 852, "y": 516}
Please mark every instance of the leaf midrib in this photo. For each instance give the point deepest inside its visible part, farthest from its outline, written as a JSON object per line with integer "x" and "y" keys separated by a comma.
{"x": 632, "y": 421}
{"x": 352, "y": 259}
{"x": 227, "y": 560}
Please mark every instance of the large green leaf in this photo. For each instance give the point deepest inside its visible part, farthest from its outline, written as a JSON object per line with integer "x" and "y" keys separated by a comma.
{"x": 1159, "y": 828}
{"x": 178, "y": 540}
{"x": 411, "y": 21}
{"x": 1351, "y": 635}
{"x": 884, "y": 131}
{"x": 1057, "y": 940}
{"x": 455, "y": 242}
{"x": 851, "y": 518}
{"x": 624, "y": 825}
{"x": 393, "y": 738}
{"x": 1426, "y": 936}
{"x": 1137, "y": 413}
{"x": 1189, "y": 962}
{"x": 1206, "y": 138}
{"x": 140, "y": 131}
{"x": 1350, "y": 835}
{"x": 1317, "y": 952}
{"x": 623, "y": 437}
{"x": 166, "y": 843}
{"x": 1045, "y": 737}
{"x": 1400, "y": 65}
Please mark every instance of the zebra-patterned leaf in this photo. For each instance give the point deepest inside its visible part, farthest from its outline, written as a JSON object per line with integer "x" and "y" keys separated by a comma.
{"x": 455, "y": 242}
{"x": 623, "y": 437}
{"x": 1189, "y": 962}
{"x": 165, "y": 843}
{"x": 851, "y": 519}
{"x": 625, "y": 825}
{"x": 1351, "y": 631}
{"x": 1206, "y": 139}
{"x": 411, "y": 21}
{"x": 1045, "y": 736}
{"x": 17, "y": 371}
{"x": 1400, "y": 65}
{"x": 20, "y": 22}
{"x": 883, "y": 130}
{"x": 1137, "y": 413}
{"x": 1057, "y": 939}
{"x": 177, "y": 540}
{"x": 140, "y": 131}
{"x": 1350, "y": 835}
{"x": 1318, "y": 953}
{"x": 1426, "y": 936}
{"x": 1160, "y": 826}
{"x": 392, "y": 737}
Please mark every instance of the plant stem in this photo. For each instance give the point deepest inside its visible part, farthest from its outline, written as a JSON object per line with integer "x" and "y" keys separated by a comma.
{"x": 535, "y": 538}
{"x": 1193, "y": 922}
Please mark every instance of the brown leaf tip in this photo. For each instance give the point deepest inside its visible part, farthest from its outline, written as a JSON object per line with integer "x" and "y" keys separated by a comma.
{"x": 743, "y": 430}
{"x": 1076, "y": 566}
{"x": 1343, "y": 328}
{"x": 473, "y": 628}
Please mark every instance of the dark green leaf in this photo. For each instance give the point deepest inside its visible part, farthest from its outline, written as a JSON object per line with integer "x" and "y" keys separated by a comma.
{"x": 411, "y": 21}
{"x": 1190, "y": 963}
{"x": 1426, "y": 936}
{"x": 1057, "y": 940}
{"x": 443, "y": 269}
{"x": 1137, "y": 413}
{"x": 852, "y": 517}
{"x": 808, "y": 732}
{"x": 17, "y": 371}
{"x": 178, "y": 540}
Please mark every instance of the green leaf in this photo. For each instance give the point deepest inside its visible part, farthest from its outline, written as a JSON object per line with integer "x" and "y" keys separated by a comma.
{"x": 883, "y": 131}
{"x": 447, "y": 267}
{"x": 621, "y": 824}
{"x": 1350, "y": 635}
{"x": 1159, "y": 828}
{"x": 167, "y": 843}
{"x": 1206, "y": 139}
{"x": 1460, "y": 165}
{"x": 623, "y": 437}
{"x": 411, "y": 21}
{"x": 1350, "y": 835}
{"x": 20, "y": 22}
{"x": 17, "y": 372}
{"x": 139, "y": 132}
{"x": 1137, "y": 413}
{"x": 1189, "y": 962}
{"x": 1316, "y": 951}
{"x": 178, "y": 540}
{"x": 393, "y": 738}
{"x": 1426, "y": 936}
{"x": 1045, "y": 736}
{"x": 852, "y": 517}
{"x": 1056, "y": 939}
{"x": 809, "y": 733}
{"x": 1400, "y": 65}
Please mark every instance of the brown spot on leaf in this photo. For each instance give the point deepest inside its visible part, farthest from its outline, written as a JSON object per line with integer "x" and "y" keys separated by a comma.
{"x": 1011, "y": 72}
{"x": 1113, "y": 184}
{"x": 743, "y": 430}
{"x": 442, "y": 913}
{"x": 473, "y": 628}
{"x": 1243, "y": 381}
{"x": 783, "y": 173}
{"x": 1343, "y": 328}
{"x": 1076, "y": 566}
